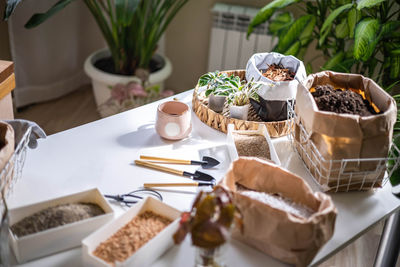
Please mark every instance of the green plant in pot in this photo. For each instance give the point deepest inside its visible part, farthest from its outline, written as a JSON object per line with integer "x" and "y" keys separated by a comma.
{"x": 132, "y": 30}
{"x": 209, "y": 222}
{"x": 218, "y": 86}
{"x": 239, "y": 100}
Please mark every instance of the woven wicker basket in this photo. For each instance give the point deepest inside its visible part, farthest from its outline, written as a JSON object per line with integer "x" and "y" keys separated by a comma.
{"x": 220, "y": 121}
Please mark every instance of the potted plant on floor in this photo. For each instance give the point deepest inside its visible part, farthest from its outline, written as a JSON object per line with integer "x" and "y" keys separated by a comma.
{"x": 132, "y": 29}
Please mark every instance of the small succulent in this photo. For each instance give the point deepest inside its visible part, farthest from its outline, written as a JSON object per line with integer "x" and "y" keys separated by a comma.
{"x": 210, "y": 219}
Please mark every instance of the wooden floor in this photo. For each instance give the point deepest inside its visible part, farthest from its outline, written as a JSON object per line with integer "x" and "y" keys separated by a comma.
{"x": 79, "y": 108}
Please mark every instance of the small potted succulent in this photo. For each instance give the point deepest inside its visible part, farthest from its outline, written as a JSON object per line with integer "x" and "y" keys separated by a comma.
{"x": 219, "y": 86}
{"x": 239, "y": 100}
{"x": 209, "y": 222}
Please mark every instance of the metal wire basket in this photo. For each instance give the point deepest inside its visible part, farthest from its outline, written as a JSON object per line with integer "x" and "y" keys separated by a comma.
{"x": 354, "y": 174}
{"x": 13, "y": 170}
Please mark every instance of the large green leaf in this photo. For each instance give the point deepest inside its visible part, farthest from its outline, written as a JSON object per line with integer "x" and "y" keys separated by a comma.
{"x": 389, "y": 27}
{"x": 395, "y": 52}
{"x": 332, "y": 16}
{"x": 342, "y": 30}
{"x": 281, "y": 22}
{"x": 10, "y": 7}
{"x": 395, "y": 67}
{"x": 334, "y": 61}
{"x": 353, "y": 16}
{"x": 39, "y": 18}
{"x": 293, "y": 49}
{"x": 295, "y": 31}
{"x": 305, "y": 36}
{"x": 266, "y": 12}
{"x": 366, "y": 38}
{"x": 368, "y": 3}
{"x": 125, "y": 10}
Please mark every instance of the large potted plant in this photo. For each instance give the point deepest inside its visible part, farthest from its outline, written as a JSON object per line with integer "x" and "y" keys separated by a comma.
{"x": 128, "y": 69}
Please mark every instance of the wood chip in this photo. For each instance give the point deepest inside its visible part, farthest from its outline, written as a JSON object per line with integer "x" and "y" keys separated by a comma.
{"x": 131, "y": 237}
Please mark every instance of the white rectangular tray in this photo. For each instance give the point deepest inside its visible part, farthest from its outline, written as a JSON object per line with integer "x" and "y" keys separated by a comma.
{"x": 148, "y": 252}
{"x": 60, "y": 238}
{"x": 262, "y": 130}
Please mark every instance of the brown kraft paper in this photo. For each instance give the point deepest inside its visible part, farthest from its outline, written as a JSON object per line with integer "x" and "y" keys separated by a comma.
{"x": 280, "y": 234}
{"x": 344, "y": 136}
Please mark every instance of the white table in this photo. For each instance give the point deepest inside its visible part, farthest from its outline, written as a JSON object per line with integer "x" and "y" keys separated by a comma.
{"x": 100, "y": 154}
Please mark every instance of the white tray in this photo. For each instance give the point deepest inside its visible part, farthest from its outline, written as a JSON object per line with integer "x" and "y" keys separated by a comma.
{"x": 148, "y": 252}
{"x": 60, "y": 238}
{"x": 262, "y": 130}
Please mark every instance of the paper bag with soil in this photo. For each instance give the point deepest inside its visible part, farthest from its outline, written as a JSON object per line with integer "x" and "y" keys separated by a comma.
{"x": 276, "y": 231}
{"x": 329, "y": 137}
{"x": 274, "y": 93}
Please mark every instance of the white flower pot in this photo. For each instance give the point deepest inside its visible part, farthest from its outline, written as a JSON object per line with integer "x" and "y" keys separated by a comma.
{"x": 103, "y": 81}
{"x": 216, "y": 102}
{"x": 239, "y": 112}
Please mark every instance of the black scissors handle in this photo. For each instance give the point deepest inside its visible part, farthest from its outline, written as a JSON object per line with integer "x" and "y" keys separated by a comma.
{"x": 127, "y": 198}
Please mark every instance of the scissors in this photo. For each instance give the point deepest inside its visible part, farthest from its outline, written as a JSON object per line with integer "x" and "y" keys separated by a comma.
{"x": 135, "y": 196}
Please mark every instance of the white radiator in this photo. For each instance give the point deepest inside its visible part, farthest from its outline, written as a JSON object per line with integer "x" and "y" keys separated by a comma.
{"x": 229, "y": 48}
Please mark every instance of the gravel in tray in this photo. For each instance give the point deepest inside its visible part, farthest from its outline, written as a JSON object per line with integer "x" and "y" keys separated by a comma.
{"x": 55, "y": 216}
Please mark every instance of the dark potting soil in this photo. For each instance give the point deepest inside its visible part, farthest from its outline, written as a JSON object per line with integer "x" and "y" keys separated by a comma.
{"x": 55, "y": 216}
{"x": 341, "y": 101}
{"x": 107, "y": 64}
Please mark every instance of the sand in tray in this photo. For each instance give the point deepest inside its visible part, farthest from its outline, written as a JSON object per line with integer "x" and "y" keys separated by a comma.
{"x": 251, "y": 146}
{"x": 278, "y": 202}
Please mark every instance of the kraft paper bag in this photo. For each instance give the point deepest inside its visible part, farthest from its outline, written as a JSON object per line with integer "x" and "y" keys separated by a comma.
{"x": 330, "y": 137}
{"x": 280, "y": 234}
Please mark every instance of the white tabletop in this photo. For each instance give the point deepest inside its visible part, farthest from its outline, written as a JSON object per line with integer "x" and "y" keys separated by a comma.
{"x": 100, "y": 154}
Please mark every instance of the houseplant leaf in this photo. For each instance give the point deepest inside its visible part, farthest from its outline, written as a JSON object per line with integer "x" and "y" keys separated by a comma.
{"x": 39, "y": 18}
{"x": 368, "y": 3}
{"x": 342, "y": 30}
{"x": 304, "y": 23}
{"x": 366, "y": 38}
{"x": 125, "y": 10}
{"x": 395, "y": 67}
{"x": 10, "y": 7}
{"x": 334, "y": 61}
{"x": 266, "y": 12}
{"x": 389, "y": 27}
{"x": 293, "y": 49}
{"x": 328, "y": 22}
{"x": 281, "y": 22}
{"x": 395, "y": 52}
{"x": 305, "y": 36}
{"x": 353, "y": 16}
